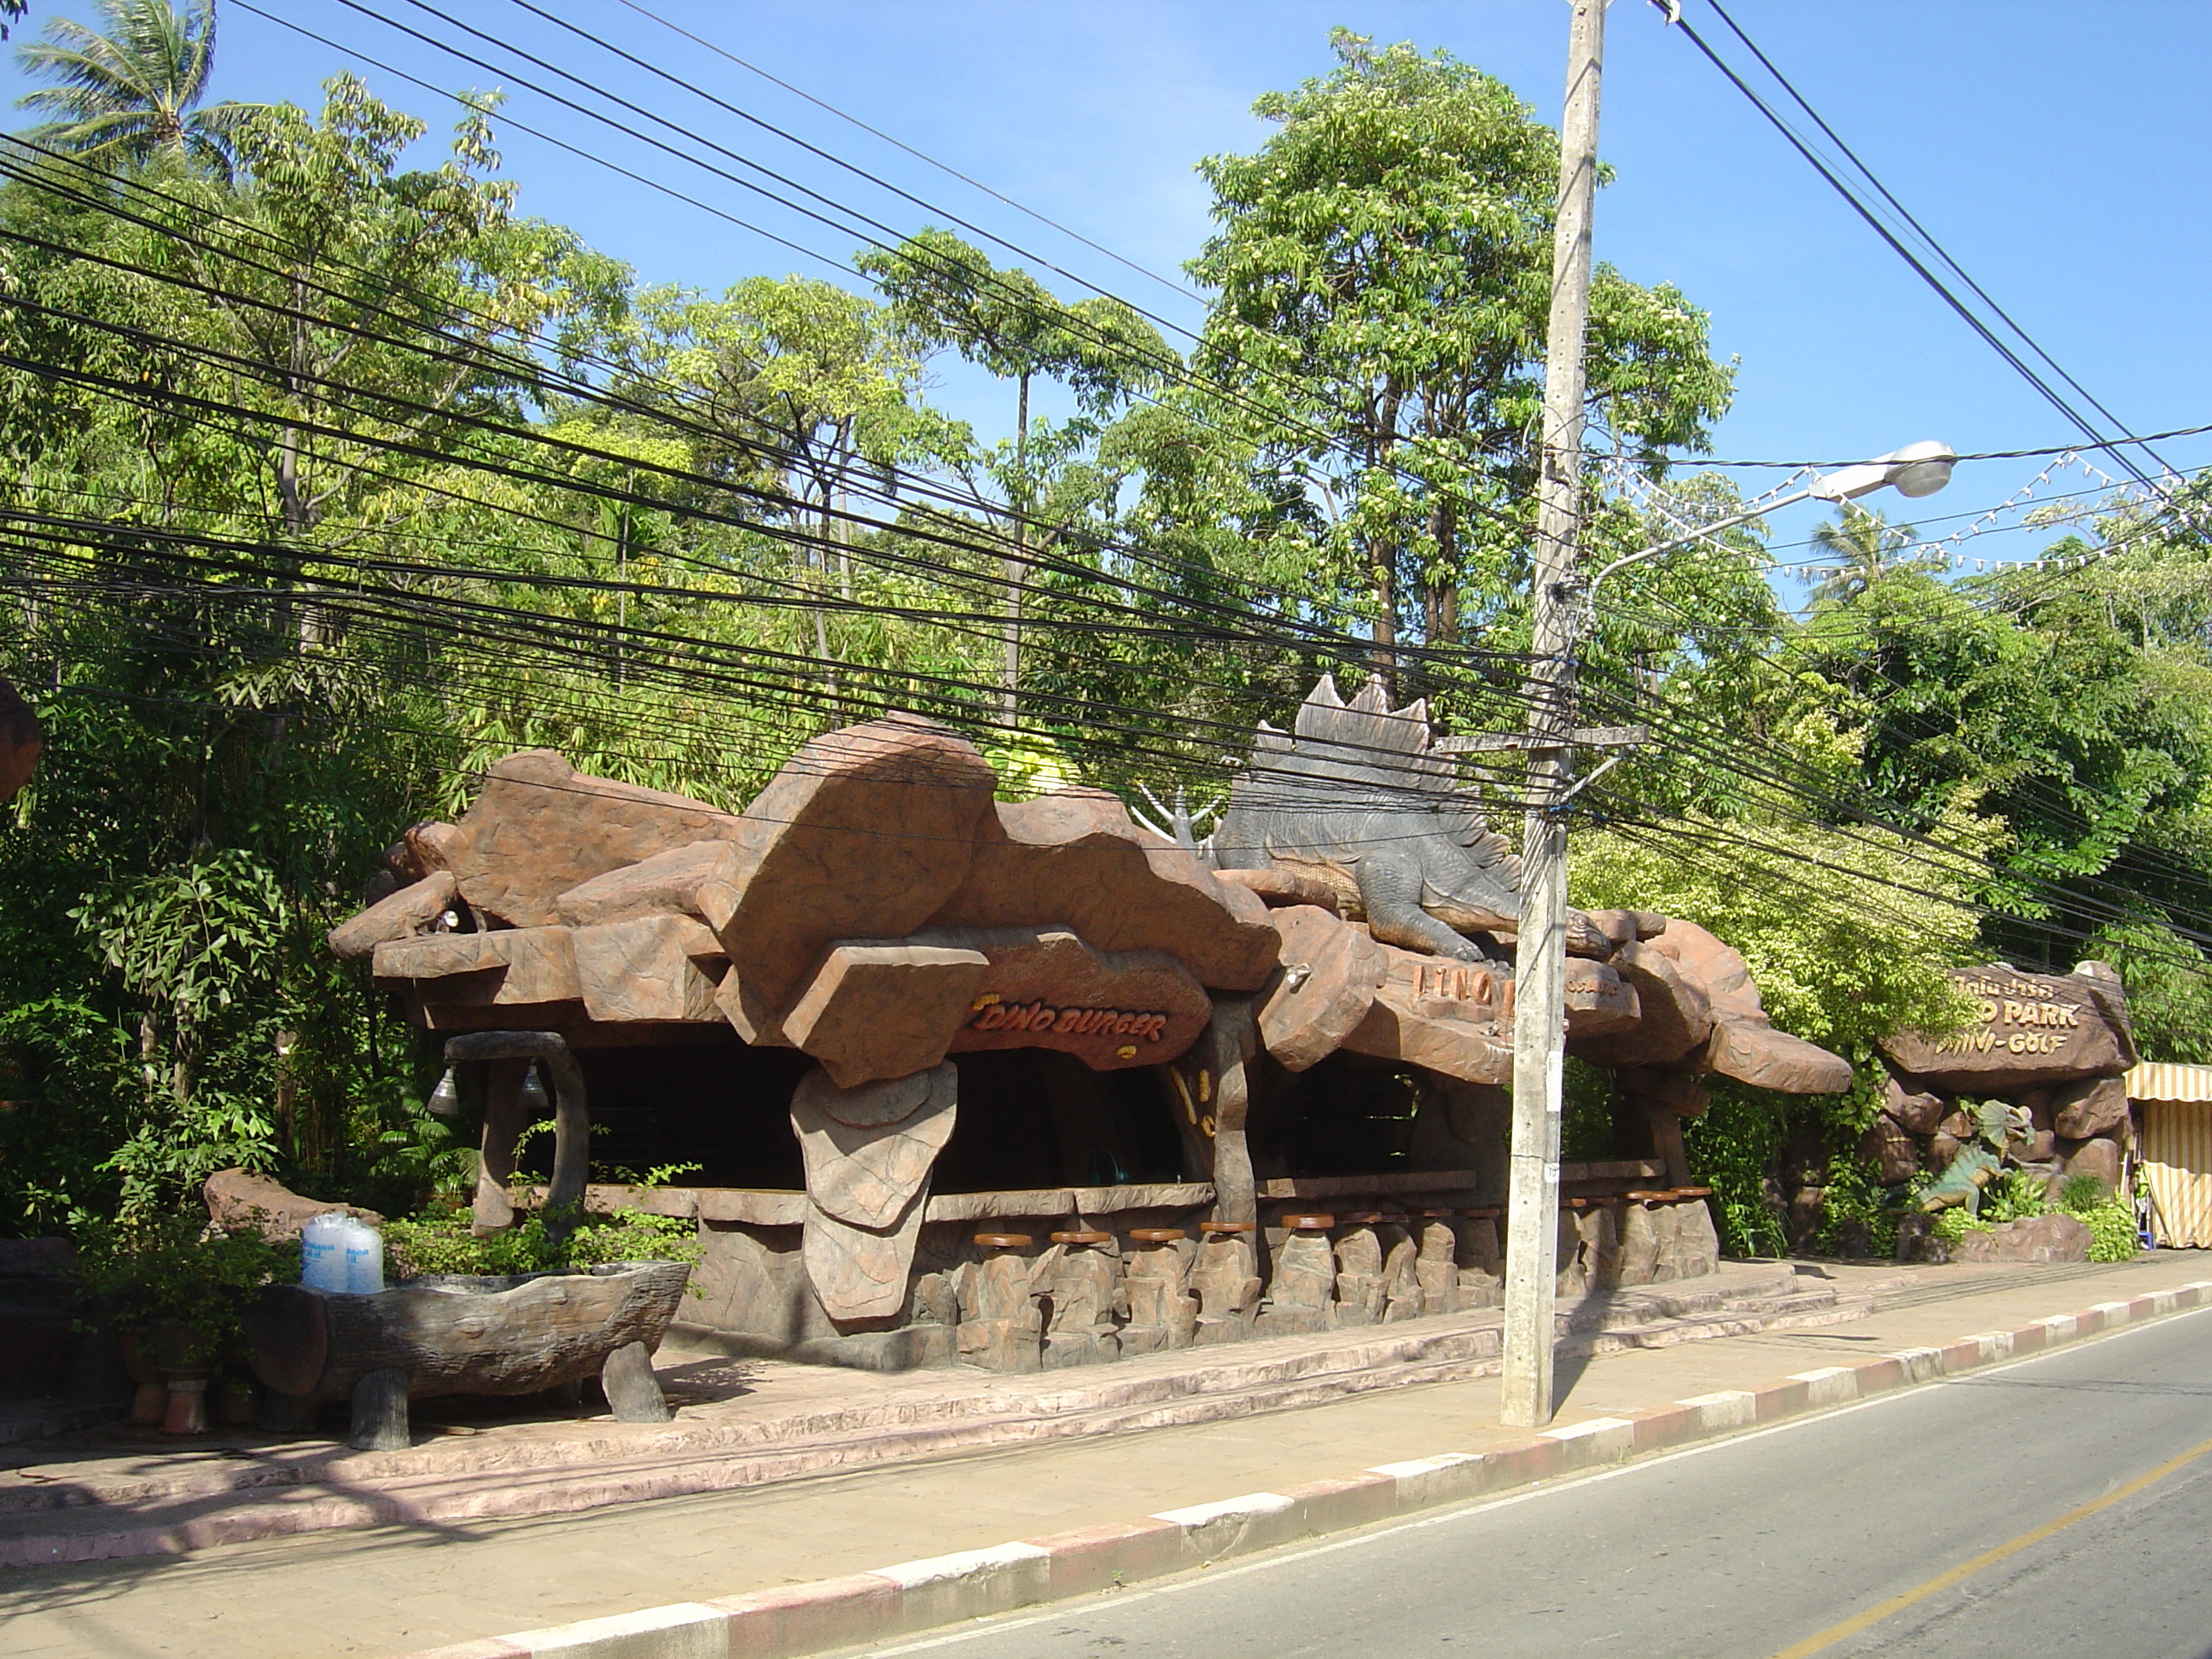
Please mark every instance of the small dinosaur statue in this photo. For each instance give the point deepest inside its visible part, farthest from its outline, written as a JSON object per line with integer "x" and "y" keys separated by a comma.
{"x": 1356, "y": 794}
{"x": 1977, "y": 1162}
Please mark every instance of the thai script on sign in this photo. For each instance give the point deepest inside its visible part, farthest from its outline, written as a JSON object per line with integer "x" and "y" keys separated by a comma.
{"x": 2045, "y": 1027}
{"x": 1041, "y": 1017}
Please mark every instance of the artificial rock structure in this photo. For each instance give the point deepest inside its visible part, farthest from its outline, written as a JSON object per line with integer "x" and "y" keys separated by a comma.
{"x": 1027, "y": 1084}
{"x": 2035, "y": 1081}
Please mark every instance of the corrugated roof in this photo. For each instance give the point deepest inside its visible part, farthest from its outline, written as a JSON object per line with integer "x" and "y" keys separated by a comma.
{"x": 2160, "y": 1080}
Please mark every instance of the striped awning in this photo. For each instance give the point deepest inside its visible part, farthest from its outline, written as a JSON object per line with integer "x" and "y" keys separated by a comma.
{"x": 2159, "y": 1080}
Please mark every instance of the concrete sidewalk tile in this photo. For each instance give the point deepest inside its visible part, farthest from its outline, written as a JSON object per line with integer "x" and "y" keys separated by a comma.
{"x": 489, "y": 1646}
{"x": 797, "y": 1619}
{"x": 2060, "y": 1327}
{"x": 1233, "y": 1526}
{"x": 1336, "y": 1506}
{"x": 2115, "y": 1313}
{"x": 1831, "y": 1385}
{"x": 1919, "y": 1365}
{"x": 1600, "y": 1440}
{"x": 1093, "y": 1558}
{"x": 1421, "y": 1482}
{"x": 687, "y": 1629}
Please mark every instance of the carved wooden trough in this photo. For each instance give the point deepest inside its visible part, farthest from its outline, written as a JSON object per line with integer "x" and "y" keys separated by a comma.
{"x": 451, "y": 1335}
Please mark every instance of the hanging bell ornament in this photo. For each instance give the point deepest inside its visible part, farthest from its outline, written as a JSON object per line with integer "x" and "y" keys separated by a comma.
{"x": 446, "y": 1098}
{"x": 535, "y": 1101}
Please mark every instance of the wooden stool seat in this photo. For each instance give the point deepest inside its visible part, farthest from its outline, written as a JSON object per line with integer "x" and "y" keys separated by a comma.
{"x": 1307, "y": 1224}
{"x": 1083, "y": 1238}
{"x": 1002, "y": 1240}
{"x": 1158, "y": 1235}
{"x": 1228, "y": 1226}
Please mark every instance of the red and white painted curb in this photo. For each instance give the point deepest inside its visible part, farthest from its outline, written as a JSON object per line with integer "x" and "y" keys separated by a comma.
{"x": 946, "y": 1590}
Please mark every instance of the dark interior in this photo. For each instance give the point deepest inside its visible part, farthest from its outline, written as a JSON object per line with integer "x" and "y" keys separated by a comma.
{"x": 1347, "y": 1115}
{"x": 1027, "y": 1118}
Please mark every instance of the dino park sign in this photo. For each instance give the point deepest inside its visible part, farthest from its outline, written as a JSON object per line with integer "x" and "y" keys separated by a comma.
{"x": 2024, "y": 1030}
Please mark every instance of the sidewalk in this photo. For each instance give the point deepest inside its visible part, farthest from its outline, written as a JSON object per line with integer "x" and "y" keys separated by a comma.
{"x": 402, "y": 1589}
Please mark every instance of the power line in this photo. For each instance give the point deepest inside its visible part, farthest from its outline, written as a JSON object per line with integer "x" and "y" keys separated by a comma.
{"x": 1927, "y": 237}
{"x": 1964, "y": 311}
{"x": 896, "y": 143}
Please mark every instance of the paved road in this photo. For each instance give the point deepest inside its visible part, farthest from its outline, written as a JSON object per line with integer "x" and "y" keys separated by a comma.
{"x": 2048, "y": 1508}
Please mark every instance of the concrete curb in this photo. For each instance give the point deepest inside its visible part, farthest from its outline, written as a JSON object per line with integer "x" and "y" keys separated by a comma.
{"x": 915, "y": 1595}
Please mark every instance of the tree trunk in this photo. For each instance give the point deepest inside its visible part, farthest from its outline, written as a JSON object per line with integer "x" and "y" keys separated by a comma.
{"x": 1440, "y": 590}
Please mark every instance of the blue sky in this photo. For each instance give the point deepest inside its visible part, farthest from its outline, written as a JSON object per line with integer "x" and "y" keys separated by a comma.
{"x": 2057, "y": 149}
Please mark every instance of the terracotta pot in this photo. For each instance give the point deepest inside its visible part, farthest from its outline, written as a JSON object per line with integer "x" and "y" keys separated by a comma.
{"x": 176, "y": 1348}
{"x": 150, "y": 1401}
{"x": 186, "y": 1413}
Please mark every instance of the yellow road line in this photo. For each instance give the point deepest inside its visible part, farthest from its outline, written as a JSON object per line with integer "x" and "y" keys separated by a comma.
{"x": 1966, "y": 1570}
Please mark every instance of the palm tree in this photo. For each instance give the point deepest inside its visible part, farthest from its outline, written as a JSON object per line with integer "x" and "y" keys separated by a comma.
{"x": 1867, "y": 549}
{"x": 127, "y": 95}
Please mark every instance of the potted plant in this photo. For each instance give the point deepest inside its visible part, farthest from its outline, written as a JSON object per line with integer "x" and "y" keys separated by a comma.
{"x": 174, "y": 1286}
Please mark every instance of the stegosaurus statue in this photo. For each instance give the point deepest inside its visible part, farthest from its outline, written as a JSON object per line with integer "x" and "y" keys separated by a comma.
{"x": 1975, "y": 1164}
{"x": 1356, "y": 794}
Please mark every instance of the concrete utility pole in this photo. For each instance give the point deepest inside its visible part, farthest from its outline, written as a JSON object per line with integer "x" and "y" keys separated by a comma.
{"x": 1540, "y": 956}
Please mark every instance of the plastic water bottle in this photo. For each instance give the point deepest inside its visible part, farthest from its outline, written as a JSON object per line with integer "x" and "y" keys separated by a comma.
{"x": 323, "y": 1252}
{"x": 364, "y": 1258}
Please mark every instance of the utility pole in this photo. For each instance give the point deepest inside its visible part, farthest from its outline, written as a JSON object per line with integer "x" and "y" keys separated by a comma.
{"x": 1539, "y": 956}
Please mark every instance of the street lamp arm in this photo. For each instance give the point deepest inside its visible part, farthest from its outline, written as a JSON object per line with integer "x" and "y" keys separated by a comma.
{"x": 1668, "y": 546}
{"x": 1920, "y": 469}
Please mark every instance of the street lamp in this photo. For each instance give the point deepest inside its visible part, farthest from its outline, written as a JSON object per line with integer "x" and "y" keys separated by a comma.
{"x": 1917, "y": 470}
{"x": 1541, "y": 1018}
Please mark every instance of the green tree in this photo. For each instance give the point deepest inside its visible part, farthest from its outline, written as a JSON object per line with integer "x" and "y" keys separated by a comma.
{"x": 129, "y": 95}
{"x": 1382, "y": 267}
{"x": 947, "y": 293}
{"x": 1866, "y": 549}
{"x": 817, "y": 392}
{"x": 2040, "y": 713}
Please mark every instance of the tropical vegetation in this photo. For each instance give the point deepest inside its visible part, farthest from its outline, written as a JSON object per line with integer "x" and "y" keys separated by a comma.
{"x": 331, "y": 475}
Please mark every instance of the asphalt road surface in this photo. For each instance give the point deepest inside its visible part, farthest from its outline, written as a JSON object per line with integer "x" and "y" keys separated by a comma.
{"x": 2062, "y": 1505}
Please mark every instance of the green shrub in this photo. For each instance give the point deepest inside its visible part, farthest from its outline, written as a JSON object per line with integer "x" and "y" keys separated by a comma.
{"x": 1954, "y": 1223}
{"x": 2083, "y": 1192}
{"x": 2112, "y": 1229}
{"x": 1732, "y": 1149}
{"x": 2015, "y": 1195}
{"x": 1859, "y": 1215}
{"x": 440, "y": 1242}
{"x": 146, "y": 1269}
